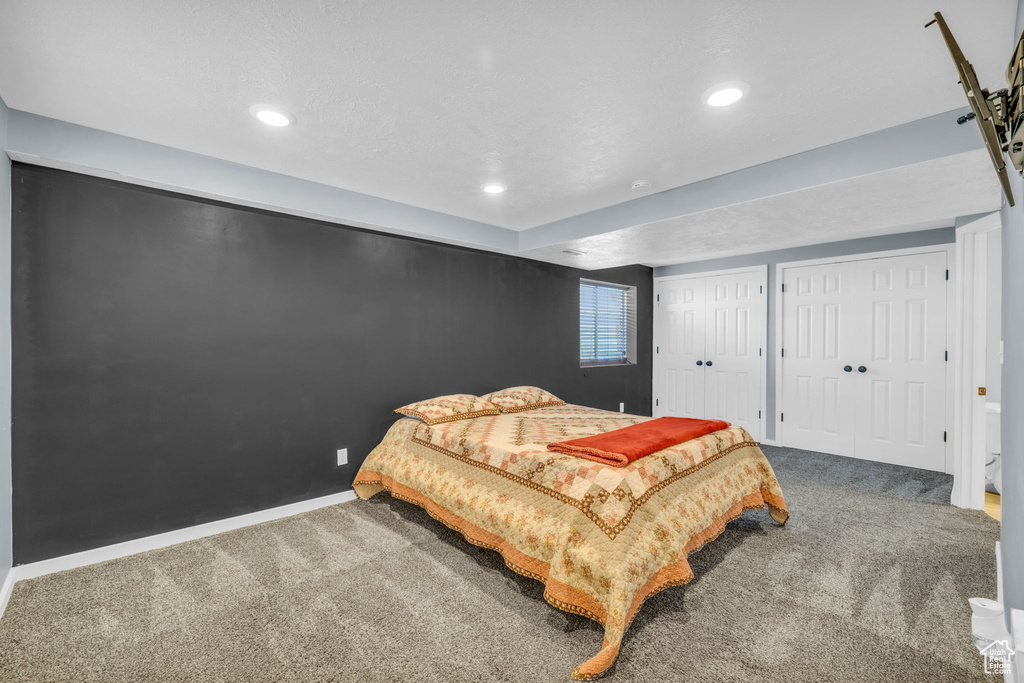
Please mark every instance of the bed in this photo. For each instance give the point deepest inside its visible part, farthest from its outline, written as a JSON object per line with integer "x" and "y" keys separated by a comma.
{"x": 601, "y": 539}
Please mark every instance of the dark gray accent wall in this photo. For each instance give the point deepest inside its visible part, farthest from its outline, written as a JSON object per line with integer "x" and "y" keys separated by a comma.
{"x": 178, "y": 361}
{"x": 863, "y": 245}
{"x": 1012, "y": 538}
{"x": 6, "y": 556}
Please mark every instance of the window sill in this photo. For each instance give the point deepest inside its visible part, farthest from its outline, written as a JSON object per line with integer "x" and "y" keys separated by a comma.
{"x": 614, "y": 364}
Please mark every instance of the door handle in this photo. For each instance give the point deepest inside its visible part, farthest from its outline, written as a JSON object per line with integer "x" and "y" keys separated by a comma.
{"x": 700, "y": 362}
{"x": 862, "y": 369}
{"x": 708, "y": 364}
{"x": 847, "y": 368}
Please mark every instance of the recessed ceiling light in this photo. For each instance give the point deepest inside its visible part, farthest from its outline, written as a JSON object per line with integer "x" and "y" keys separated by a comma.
{"x": 493, "y": 188}
{"x": 271, "y": 116}
{"x": 724, "y": 94}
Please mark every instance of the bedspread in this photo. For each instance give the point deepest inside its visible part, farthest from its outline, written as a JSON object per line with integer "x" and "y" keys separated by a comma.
{"x": 602, "y": 539}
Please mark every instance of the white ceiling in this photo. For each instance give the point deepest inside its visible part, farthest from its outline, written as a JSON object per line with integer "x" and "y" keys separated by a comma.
{"x": 565, "y": 102}
{"x": 872, "y": 204}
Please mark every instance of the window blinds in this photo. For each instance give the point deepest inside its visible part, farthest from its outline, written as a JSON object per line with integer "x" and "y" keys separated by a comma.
{"x": 604, "y": 324}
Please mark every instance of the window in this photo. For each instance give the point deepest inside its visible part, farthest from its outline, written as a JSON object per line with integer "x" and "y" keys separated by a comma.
{"x": 607, "y": 324}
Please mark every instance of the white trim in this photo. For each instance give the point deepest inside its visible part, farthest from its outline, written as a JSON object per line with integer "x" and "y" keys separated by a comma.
{"x": 948, "y": 249}
{"x": 999, "y": 574}
{"x": 763, "y": 271}
{"x": 764, "y": 353}
{"x": 909, "y": 251}
{"x": 712, "y": 273}
{"x": 761, "y": 248}
{"x": 1017, "y": 633}
{"x": 140, "y": 545}
{"x": 5, "y": 592}
{"x": 1015, "y": 623}
{"x": 951, "y": 334}
{"x": 769, "y": 442}
{"x": 779, "y": 424}
{"x": 968, "y": 367}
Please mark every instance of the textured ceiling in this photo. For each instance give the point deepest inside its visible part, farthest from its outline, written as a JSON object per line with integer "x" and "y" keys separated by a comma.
{"x": 917, "y": 197}
{"x": 565, "y": 102}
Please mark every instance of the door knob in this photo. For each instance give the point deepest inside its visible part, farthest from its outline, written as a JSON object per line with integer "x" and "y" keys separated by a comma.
{"x": 708, "y": 364}
{"x": 862, "y": 369}
{"x": 847, "y": 368}
{"x": 700, "y": 362}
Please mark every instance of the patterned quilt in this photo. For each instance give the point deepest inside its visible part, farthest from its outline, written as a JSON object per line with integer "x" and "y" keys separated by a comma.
{"x": 602, "y": 539}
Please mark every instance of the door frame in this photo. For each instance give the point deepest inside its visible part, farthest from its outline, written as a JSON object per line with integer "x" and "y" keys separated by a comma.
{"x": 970, "y": 362}
{"x": 762, "y": 270}
{"x": 950, "y": 251}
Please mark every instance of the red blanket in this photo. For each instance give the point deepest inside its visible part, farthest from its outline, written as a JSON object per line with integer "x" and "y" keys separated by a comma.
{"x": 620, "y": 447}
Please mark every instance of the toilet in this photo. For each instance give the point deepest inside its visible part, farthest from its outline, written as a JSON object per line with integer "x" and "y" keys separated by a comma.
{"x": 993, "y": 448}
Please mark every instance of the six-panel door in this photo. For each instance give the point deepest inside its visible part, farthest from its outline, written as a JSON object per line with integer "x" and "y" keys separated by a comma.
{"x": 863, "y": 364}
{"x": 679, "y": 381}
{"x": 901, "y": 397}
{"x": 708, "y": 362}
{"x": 732, "y": 364}
{"x": 819, "y": 324}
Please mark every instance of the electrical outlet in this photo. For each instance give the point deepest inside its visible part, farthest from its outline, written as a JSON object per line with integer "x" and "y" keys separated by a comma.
{"x": 622, "y": 407}
{"x": 342, "y": 456}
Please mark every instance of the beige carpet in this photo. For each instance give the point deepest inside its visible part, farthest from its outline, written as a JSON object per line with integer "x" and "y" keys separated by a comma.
{"x": 868, "y": 582}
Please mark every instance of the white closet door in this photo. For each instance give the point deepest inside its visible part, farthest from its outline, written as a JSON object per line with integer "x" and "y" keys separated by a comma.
{"x": 732, "y": 364}
{"x": 901, "y": 393}
{"x": 679, "y": 381}
{"x": 819, "y": 340}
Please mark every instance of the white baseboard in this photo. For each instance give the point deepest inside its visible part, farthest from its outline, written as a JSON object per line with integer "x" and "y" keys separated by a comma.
{"x": 768, "y": 442}
{"x": 5, "y": 591}
{"x": 141, "y": 545}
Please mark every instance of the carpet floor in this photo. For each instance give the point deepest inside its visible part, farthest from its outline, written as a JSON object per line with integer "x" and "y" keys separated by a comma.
{"x": 868, "y": 582}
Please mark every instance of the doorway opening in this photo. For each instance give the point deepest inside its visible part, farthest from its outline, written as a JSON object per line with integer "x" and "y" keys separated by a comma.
{"x": 978, "y": 365}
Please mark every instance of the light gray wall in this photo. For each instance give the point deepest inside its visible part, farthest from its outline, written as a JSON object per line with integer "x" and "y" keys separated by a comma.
{"x": 44, "y": 141}
{"x": 1013, "y": 386}
{"x": 896, "y": 147}
{"x": 5, "y": 351}
{"x": 864, "y": 245}
{"x": 48, "y": 142}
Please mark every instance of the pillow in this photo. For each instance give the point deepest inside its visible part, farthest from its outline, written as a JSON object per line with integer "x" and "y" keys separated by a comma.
{"x": 449, "y": 408}
{"x": 517, "y": 399}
